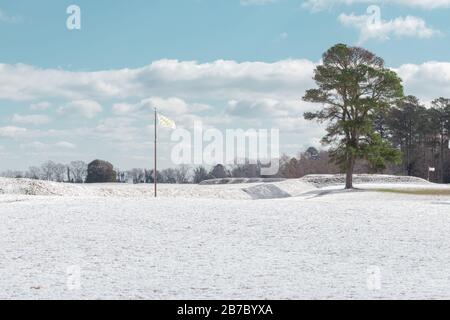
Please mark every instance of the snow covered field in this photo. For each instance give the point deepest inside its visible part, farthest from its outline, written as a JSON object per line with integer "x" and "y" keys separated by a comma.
{"x": 214, "y": 242}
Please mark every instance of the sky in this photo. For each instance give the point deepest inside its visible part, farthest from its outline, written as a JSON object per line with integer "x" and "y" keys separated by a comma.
{"x": 89, "y": 93}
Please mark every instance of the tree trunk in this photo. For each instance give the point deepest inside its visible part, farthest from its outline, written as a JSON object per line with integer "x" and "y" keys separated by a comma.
{"x": 349, "y": 177}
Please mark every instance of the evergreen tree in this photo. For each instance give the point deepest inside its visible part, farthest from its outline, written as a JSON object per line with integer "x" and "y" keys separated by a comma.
{"x": 354, "y": 86}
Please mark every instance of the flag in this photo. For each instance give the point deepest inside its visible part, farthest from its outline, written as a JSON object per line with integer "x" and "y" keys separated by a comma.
{"x": 166, "y": 122}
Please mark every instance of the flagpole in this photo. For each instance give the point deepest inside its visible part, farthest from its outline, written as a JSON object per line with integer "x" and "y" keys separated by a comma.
{"x": 155, "y": 172}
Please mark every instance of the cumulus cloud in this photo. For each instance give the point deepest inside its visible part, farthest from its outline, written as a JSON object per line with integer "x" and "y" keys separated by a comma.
{"x": 123, "y": 108}
{"x": 268, "y": 108}
{"x": 319, "y": 5}
{"x": 40, "y": 106}
{"x": 86, "y": 108}
{"x": 119, "y": 130}
{"x": 188, "y": 80}
{"x": 383, "y": 30}
{"x": 26, "y": 133}
{"x": 427, "y": 81}
{"x": 65, "y": 145}
{"x": 41, "y": 146}
{"x": 24, "y": 82}
{"x": 183, "y": 87}
{"x": 35, "y": 145}
{"x": 32, "y": 119}
{"x": 172, "y": 105}
{"x": 12, "y": 132}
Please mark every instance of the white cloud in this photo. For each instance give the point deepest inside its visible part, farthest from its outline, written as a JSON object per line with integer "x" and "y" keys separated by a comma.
{"x": 123, "y": 109}
{"x": 175, "y": 85}
{"x": 41, "y": 146}
{"x": 173, "y": 106}
{"x": 307, "y": 130}
{"x": 65, "y": 145}
{"x": 319, "y": 5}
{"x": 119, "y": 130}
{"x": 33, "y": 119}
{"x": 170, "y": 105}
{"x": 268, "y": 108}
{"x": 35, "y": 145}
{"x": 25, "y": 82}
{"x": 186, "y": 80}
{"x": 427, "y": 81}
{"x": 25, "y": 133}
{"x": 40, "y": 106}
{"x": 86, "y": 108}
{"x": 12, "y": 132}
{"x": 399, "y": 27}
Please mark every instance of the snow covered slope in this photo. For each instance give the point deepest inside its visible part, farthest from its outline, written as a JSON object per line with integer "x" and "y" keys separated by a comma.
{"x": 231, "y": 191}
{"x": 325, "y": 180}
{"x": 45, "y": 188}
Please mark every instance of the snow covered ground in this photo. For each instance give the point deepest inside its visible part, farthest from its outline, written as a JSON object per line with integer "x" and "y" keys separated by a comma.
{"x": 214, "y": 242}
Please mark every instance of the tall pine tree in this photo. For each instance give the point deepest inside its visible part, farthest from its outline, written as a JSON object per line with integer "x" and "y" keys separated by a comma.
{"x": 354, "y": 86}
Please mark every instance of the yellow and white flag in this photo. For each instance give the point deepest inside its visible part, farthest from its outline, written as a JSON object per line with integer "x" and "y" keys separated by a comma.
{"x": 166, "y": 122}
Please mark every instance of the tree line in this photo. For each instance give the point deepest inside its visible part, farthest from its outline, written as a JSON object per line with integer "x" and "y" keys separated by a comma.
{"x": 422, "y": 136}
{"x": 311, "y": 161}
{"x": 416, "y": 158}
{"x": 100, "y": 171}
{"x": 75, "y": 172}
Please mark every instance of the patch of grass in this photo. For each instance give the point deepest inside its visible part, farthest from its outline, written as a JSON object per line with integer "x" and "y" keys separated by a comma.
{"x": 424, "y": 192}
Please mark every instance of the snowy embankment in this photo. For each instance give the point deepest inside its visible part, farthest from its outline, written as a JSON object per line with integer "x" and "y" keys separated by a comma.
{"x": 286, "y": 188}
{"x": 260, "y": 189}
{"x": 324, "y": 180}
{"x": 45, "y": 188}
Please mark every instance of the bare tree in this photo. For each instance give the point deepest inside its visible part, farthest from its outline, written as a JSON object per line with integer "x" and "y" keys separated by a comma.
{"x": 121, "y": 176}
{"x": 59, "y": 172}
{"x": 182, "y": 174}
{"x": 247, "y": 170}
{"x": 200, "y": 174}
{"x": 48, "y": 170}
{"x": 138, "y": 175}
{"x": 150, "y": 176}
{"x": 12, "y": 174}
{"x": 78, "y": 170}
{"x": 169, "y": 175}
{"x": 33, "y": 173}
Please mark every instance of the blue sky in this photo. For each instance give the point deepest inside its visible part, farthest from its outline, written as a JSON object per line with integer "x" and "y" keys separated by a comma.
{"x": 133, "y": 33}
{"x": 84, "y": 94}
